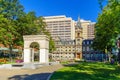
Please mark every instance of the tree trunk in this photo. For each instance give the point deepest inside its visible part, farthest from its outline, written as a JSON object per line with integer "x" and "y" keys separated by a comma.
{"x": 119, "y": 56}
{"x": 10, "y": 55}
{"x": 109, "y": 56}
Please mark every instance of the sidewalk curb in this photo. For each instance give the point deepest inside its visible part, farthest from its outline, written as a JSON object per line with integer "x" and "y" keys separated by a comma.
{"x": 50, "y": 76}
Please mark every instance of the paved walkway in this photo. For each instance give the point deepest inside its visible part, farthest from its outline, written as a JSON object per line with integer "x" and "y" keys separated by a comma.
{"x": 41, "y": 73}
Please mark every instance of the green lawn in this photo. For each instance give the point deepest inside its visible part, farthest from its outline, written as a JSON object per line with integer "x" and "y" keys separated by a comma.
{"x": 88, "y": 71}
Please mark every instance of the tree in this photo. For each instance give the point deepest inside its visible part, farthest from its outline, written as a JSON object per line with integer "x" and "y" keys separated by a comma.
{"x": 42, "y": 30}
{"x": 107, "y": 27}
{"x": 100, "y": 3}
{"x": 10, "y": 11}
{"x": 15, "y": 23}
{"x": 29, "y": 24}
{"x": 7, "y": 32}
{"x": 51, "y": 45}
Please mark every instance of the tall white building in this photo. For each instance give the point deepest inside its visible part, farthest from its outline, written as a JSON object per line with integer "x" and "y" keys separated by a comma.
{"x": 88, "y": 29}
{"x": 91, "y": 30}
{"x": 61, "y": 26}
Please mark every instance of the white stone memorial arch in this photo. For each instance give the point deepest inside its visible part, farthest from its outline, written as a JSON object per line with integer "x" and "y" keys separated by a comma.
{"x": 43, "y": 42}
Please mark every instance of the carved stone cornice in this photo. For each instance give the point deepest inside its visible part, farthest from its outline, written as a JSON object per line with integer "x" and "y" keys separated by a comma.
{"x": 35, "y": 37}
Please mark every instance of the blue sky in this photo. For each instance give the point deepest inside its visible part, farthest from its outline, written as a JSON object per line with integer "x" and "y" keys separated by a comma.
{"x": 86, "y": 9}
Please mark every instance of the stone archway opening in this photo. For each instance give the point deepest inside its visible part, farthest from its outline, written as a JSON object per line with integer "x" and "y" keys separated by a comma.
{"x": 35, "y": 47}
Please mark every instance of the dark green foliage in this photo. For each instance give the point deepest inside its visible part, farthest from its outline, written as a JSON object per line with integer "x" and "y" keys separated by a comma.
{"x": 107, "y": 27}
{"x": 29, "y": 24}
{"x": 11, "y": 9}
{"x": 14, "y": 23}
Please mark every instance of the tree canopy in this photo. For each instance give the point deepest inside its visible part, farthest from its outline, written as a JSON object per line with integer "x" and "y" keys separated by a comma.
{"x": 107, "y": 27}
{"x": 14, "y": 23}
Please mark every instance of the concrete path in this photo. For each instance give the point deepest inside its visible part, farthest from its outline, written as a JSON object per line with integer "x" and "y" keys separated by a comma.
{"x": 41, "y": 73}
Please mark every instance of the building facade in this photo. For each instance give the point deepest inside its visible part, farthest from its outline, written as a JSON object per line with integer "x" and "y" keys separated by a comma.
{"x": 91, "y": 31}
{"x": 89, "y": 53}
{"x": 61, "y": 26}
{"x": 68, "y": 36}
{"x": 65, "y": 50}
{"x": 69, "y": 49}
{"x": 64, "y": 27}
{"x": 78, "y": 39}
{"x": 88, "y": 29}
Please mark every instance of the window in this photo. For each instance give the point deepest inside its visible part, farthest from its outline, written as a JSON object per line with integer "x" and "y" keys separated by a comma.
{"x": 78, "y": 34}
{"x": 83, "y": 48}
{"x": 87, "y": 48}
{"x": 87, "y": 42}
{"x": 83, "y": 42}
{"x": 78, "y": 39}
{"x": 91, "y": 42}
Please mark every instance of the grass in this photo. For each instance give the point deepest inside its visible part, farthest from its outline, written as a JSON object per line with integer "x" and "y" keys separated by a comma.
{"x": 64, "y": 62}
{"x": 7, "y": 63}
{"x": 88, "y": 71}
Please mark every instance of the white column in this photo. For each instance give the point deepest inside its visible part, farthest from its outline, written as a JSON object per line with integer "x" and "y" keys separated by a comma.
{"x": 32, "y": 54}
{"x": 47, "y": 55}
{"x": 43, "y": 58}
{"x": 27, "y": 56}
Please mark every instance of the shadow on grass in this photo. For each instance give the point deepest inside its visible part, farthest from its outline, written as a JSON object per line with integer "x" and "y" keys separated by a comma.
{"x": 88, "y": 71}
{"x": 41, "y": 76}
